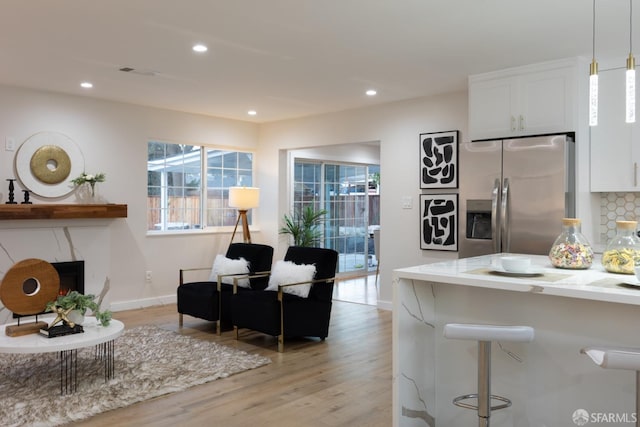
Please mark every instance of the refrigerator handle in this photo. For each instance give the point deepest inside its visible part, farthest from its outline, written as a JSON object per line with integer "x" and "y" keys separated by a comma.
{"x": 495, "y": 231}
{"x": 504, "y": 217}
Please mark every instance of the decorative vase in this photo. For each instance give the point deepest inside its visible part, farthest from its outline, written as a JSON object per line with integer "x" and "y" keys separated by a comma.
{"x": 76, "y": 317}
{"x": 88, "y": 193}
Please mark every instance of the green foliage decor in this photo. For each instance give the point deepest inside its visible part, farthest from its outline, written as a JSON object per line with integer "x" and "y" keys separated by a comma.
{"x": 91, "y": 179}
{"x": 304, "y": 226}
{"x": 76, "y": 301}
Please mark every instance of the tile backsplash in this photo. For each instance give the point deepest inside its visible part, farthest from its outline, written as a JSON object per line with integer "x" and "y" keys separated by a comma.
{"x": 617, "y": 206}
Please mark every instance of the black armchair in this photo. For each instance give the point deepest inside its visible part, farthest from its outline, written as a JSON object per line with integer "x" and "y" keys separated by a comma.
{"x": 210, "y": 300}
{"x": 284, "y": 314}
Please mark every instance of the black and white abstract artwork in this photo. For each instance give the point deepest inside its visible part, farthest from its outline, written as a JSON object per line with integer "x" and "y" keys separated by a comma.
{"x": 439, "y": 160}
{"x": 439, "y": 222}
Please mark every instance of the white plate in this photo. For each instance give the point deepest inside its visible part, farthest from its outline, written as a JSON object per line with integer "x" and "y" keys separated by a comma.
{"x": 532, "y": 271}
{"x": 632, "y": 282}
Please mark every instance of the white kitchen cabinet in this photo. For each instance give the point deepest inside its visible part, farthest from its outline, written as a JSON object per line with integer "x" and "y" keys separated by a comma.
{"x": 532, "y": 100}
{"x": 614, "y": 157}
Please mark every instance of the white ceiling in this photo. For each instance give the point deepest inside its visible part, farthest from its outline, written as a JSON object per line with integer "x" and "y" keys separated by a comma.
{"x": 290, "y": 58}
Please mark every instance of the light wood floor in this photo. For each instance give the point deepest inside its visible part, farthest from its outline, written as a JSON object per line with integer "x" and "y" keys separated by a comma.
{"x": 343, "y": 381}
{"x": 361, "y": 289}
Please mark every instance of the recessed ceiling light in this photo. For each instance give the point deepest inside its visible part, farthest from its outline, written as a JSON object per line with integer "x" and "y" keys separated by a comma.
{"x": 252, "y": 112}
{"x": 200, "y": 48}
{"x": 86, "y": 85}
{"x": 371, "y": 92}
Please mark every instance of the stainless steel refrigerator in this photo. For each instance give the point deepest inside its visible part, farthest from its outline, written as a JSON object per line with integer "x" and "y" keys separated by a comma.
{"x": 514, "y": 194}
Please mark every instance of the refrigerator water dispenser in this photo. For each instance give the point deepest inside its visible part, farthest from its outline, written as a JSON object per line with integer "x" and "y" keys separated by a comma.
{"x": 479, "y": 219}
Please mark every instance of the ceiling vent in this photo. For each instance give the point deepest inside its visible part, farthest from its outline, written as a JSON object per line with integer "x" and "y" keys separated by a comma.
{"x": 140, "y": 72}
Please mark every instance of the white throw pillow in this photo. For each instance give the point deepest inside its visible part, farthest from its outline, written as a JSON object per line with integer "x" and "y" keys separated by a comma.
{"x": 284, "y": 272}
{"x": 224, "y": 265}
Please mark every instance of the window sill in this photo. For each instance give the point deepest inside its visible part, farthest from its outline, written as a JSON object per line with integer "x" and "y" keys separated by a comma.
{"x": 198, "y": 231}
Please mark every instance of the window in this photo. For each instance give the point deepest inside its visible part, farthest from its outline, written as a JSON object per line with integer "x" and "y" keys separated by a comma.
{"x": 178, "y": 198}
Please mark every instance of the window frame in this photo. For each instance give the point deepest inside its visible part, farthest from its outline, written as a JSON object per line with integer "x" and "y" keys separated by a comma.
{"x": 204, "y": 150}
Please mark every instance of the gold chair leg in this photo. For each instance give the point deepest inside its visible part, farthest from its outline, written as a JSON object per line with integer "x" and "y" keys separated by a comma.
{"x": 180, "y": 320}
{"x": 281, "y": 336}
{"x": 219, "y": 322}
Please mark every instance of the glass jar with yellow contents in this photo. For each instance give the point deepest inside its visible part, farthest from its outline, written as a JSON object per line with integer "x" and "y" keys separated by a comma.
{"x": 623, "y": 251}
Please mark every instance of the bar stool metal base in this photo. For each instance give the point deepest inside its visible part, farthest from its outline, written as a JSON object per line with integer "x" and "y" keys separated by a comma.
{"x": 483, "y": 396}
{"x": 484, "y": 335}
{"x": 458, "y": 401}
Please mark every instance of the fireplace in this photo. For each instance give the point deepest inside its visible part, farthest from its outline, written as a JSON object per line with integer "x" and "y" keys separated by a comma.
{"x": 71, "y": 279}
{"x": 71, "y": 276}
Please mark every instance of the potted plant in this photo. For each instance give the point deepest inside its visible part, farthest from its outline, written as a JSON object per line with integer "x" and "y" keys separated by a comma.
{"x": 90, "y": 179}
{"x": 303, "y": 225}
{"x": 76, "y": 301}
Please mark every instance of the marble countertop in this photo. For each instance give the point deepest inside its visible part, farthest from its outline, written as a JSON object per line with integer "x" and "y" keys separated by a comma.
{"x": 484, "y": 272}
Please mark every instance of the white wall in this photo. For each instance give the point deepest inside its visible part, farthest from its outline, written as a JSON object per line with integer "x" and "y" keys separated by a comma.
{"x": 366, "y": 154}
{"x": 113, "y": 138}
{"x": 397, "y": 127}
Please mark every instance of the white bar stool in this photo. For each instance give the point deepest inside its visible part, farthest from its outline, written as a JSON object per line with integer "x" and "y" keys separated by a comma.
{"x": 618, "y": 358}
{"x": 485, "y": 334}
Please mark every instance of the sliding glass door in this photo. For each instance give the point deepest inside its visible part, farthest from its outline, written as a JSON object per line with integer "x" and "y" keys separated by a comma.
{"x": 342, "y": 190}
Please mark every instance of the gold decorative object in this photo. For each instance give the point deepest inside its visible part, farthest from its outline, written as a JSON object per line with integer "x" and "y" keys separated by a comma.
{"x": 45, "y": 162}
{"x": 62, "y": 316}
{"x": 50, "y": 164}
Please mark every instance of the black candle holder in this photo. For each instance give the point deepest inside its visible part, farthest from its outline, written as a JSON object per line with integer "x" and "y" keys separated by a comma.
{"x": 11, "y": 195}
{"x": 26, "y": 198}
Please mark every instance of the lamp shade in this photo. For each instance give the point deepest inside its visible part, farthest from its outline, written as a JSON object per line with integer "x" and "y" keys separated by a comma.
{"x": 244, "y": 198}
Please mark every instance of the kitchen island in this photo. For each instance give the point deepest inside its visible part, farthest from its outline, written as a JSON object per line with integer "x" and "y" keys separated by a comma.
{"x": 547, "y": 379}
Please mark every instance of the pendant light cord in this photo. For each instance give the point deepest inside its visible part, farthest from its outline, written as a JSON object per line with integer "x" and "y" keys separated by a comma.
{"x": 593, "y": 77}
{"x": 630, "y": 27}
{"x": 593, "y": 32}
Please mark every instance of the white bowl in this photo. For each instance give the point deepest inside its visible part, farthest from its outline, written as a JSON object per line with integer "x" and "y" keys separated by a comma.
{"x": 637, "y": 268}
{"x": 516, "y": 264}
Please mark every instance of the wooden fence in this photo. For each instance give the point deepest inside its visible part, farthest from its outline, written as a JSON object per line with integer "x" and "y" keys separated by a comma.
{"x": 186, "y": 211}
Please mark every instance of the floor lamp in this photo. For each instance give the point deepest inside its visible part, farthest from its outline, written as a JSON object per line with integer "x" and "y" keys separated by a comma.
{"x": 243, "y": 199}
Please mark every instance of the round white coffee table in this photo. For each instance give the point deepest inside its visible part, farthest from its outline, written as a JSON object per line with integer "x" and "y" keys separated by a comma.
{"x": 100, "y": 336}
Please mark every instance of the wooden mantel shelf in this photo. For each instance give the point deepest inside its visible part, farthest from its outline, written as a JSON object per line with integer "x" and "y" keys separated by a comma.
{"x": 62, "y": 211}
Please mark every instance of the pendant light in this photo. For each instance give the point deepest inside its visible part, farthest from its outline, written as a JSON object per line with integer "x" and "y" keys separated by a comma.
{"x": 593, "y": 78}
{"x": 630, "y": 81}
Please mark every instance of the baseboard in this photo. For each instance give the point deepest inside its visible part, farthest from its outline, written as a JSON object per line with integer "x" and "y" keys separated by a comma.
{"x": 385, "y": 305}
{"x": 142, "y": 303}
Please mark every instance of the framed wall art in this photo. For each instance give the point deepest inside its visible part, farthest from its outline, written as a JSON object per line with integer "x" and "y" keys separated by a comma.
{"x": 439, "y": 222}
{"x": 439, "y": 160}
{"x": 47, "y": 161}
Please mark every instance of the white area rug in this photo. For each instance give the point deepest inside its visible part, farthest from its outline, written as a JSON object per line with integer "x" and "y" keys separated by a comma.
{"x": 149, "y": 362}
